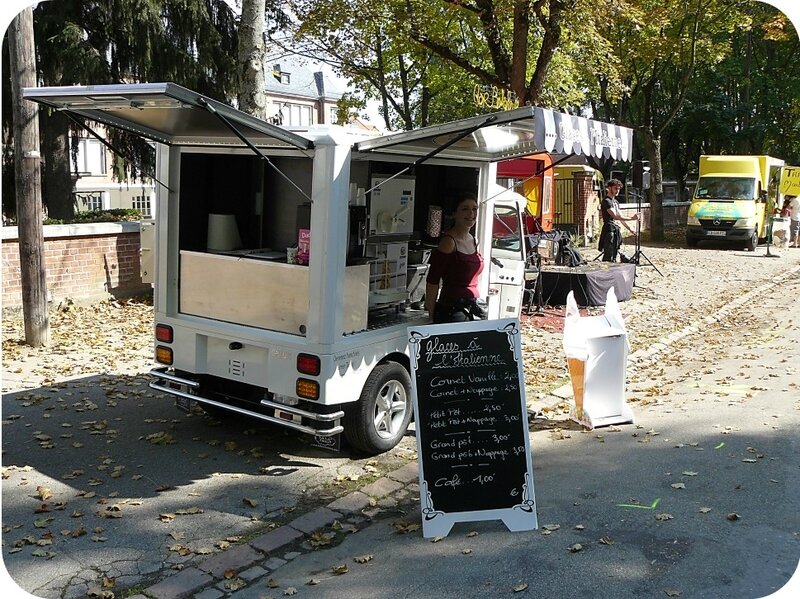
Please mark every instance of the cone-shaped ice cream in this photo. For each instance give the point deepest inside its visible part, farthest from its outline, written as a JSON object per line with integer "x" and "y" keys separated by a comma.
{"x": 577, "y": 369}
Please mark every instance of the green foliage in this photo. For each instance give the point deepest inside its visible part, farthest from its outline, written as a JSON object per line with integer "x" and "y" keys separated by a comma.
{"x": 189, "y": 42}
{"x": 114, "y": 215}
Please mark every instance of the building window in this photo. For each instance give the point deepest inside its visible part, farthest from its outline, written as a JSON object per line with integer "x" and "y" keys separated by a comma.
{"x": 285, "y": 78}
{"x": 142, "y": 204}
{"x": 334, "y": 116}
{"x": 90, "y": 159}
{"x": 293, "y": 115}
{"x": 89, "y": 201}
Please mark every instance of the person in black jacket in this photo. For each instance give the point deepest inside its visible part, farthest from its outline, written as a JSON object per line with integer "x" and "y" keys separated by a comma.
{"x": 610, "y": 234}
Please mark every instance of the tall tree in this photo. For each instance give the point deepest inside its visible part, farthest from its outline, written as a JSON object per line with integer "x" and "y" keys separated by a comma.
{"x": 423, "y": 59}
{"x": 368, "y": 42}
{"x": 190, "y": 42}
{"x": 252, "y": 52}
{"x": 28, "y": 182}
{"x": 658, "y": 44}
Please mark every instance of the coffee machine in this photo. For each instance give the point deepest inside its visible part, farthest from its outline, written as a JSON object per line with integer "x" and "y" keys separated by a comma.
{"x": 356, "y": 234}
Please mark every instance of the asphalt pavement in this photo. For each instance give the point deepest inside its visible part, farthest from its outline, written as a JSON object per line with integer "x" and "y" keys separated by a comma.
{"x": 699, "y": 498}
{"x": 144, "y": 500}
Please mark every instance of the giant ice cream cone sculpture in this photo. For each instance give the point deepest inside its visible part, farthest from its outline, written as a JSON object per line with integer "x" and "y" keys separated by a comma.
{"x": 576, "y": 352}
{"x": 577, "y": 370}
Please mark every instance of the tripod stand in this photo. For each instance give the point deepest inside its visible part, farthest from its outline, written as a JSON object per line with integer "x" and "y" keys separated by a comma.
{"x": 638, "y": 254}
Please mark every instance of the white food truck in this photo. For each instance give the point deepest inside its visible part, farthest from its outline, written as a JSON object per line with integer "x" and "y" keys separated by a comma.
{"x": 316, "y": 342}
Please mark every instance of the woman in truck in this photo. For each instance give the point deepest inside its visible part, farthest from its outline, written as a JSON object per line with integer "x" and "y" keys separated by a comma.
{"x": 456, "y": 264}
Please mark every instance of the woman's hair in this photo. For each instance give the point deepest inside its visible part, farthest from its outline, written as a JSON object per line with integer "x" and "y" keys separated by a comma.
{"x": 455, "y": 201}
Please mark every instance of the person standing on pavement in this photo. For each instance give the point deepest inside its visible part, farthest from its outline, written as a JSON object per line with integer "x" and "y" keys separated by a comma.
{"x": 610, "y": 234}
{"x": 794, "y": 222}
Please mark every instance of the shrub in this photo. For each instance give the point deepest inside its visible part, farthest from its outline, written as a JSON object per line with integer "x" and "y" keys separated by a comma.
{"x": 114, "y": 215}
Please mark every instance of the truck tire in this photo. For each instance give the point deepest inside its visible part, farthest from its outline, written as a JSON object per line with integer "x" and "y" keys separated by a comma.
{"x": 380, "y": 417}
{"x": 752, "y": 243}
{"x": 691, "y": 241}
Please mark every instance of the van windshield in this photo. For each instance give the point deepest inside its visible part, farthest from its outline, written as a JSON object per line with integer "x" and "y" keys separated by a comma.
{"x": 732, "y": 188}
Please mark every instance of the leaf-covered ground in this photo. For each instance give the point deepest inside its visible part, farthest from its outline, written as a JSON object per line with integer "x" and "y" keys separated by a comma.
{"x": 115, "y": 337}
{"x": 111, "y": 337}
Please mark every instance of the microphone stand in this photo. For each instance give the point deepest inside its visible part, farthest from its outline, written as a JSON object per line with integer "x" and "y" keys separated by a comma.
{"x": 638, "y": 254}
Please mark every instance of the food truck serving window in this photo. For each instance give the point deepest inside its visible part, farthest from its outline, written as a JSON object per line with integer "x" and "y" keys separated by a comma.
{"x": 165, "y": 113}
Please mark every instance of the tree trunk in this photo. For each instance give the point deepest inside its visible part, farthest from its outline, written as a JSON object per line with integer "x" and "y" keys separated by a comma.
{"x": 652, "y": 147}
{"x": 28, "y": 181}
{"x": 252, "y": 53}
{"x": 57, "y": 184}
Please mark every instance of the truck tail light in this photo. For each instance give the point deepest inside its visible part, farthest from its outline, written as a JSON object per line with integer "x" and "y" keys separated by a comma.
{"x": 164, "y": 355}
{"x": 308, "y": 364}
{"x": 164, "y": 333}
{"x": 307, "y": 389}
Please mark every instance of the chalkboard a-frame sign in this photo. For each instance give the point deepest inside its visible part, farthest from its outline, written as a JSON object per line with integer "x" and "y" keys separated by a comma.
{"x": 472, "y": 425}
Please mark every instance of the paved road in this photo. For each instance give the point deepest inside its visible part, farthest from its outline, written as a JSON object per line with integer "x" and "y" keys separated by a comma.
{"x": 114, "y": 457}
{"x": 717, "y": 415}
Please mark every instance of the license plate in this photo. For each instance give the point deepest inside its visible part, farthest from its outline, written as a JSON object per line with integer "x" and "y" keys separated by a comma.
{"x": 184, "y": 404}
{"x": 717, "y": 233}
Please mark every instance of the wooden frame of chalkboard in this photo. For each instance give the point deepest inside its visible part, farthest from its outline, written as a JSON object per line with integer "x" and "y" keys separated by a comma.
{"x": 471, "y": 425}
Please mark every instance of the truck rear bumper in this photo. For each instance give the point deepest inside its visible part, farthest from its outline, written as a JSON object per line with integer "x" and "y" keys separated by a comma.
{"x": 186, "y": 390}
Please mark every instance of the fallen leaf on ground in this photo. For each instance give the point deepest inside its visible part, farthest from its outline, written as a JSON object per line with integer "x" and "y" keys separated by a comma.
{"x": 189, "y": 511}
{"x": 235, "y": 584}
{"x": 662, "y": 517}
{"x": 405, "y": 527}
{"x": 363, "y": 559}
{"x": 606, "y": 540}
{"x": 519, "y": 587}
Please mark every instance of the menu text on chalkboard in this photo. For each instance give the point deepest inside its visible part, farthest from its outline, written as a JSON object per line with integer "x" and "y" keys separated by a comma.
{"x": 472, "y": 428}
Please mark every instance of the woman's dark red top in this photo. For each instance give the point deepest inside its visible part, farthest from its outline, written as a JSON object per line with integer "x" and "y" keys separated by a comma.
{"x": 458, "y": 273}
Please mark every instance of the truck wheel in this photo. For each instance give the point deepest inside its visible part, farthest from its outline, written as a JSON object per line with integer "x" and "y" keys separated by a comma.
{"x": 752, "y": 243}
{"x": 380, "y": 417}
{"x": 691, "y": 242}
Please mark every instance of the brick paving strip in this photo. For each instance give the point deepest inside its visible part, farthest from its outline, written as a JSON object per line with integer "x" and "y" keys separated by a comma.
{"x": 257, "y": 558}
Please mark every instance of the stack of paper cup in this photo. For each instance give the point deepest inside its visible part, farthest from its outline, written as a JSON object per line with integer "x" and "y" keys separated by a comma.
{"x": 223, "y": 234}
{"x": 434, "y": 228}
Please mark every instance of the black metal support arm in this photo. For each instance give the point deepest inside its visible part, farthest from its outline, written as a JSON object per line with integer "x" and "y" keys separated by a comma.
{"x": 250, "y": 145}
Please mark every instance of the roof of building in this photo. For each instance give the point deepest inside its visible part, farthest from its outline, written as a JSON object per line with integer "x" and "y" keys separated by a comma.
{"x": 303, "y": 81}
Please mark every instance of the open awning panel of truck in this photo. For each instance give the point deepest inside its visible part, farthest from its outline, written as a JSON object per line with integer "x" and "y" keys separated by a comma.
{"x": 510, "y": 134}
{"x": 166, "y": 113}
